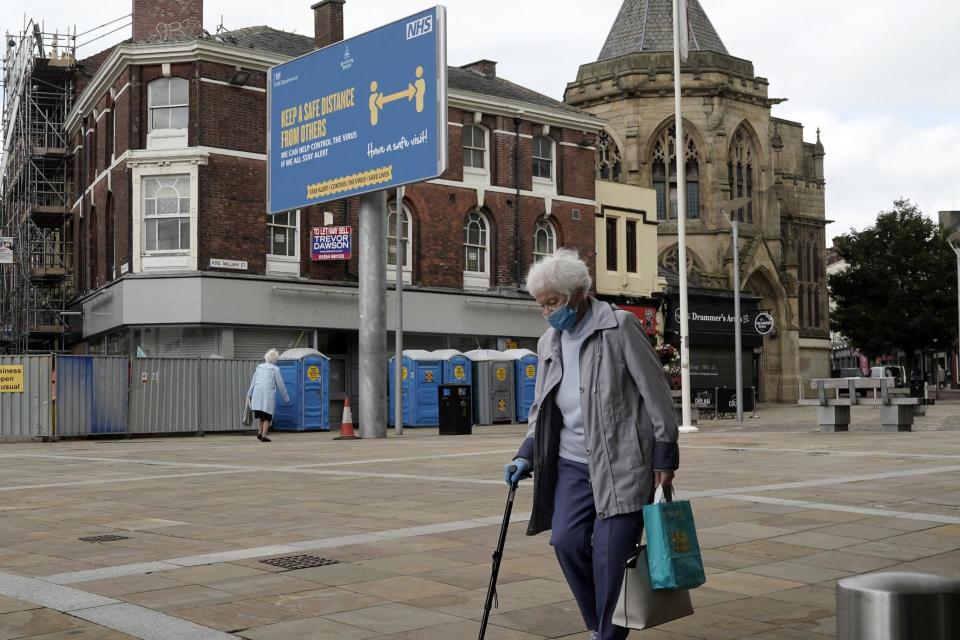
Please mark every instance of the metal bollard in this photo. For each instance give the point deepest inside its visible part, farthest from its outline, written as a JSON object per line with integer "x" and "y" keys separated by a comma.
{"x": 898, "y": 606}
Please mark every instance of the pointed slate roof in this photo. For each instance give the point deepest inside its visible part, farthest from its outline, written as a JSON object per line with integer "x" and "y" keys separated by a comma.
{"x": 647, "y": 25}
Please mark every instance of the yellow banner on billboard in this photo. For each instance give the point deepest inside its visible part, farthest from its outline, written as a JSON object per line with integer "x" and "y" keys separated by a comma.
{"x": 11, "y": 378}
{"x": 349, "y": 183}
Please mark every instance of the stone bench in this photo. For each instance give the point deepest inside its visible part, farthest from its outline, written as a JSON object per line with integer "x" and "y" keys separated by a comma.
{"x": 897, "y": 410}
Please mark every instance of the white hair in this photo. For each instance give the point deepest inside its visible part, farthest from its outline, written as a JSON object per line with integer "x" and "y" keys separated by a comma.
{"x": 563, "y": 272}
{"x": 271, "y": 356}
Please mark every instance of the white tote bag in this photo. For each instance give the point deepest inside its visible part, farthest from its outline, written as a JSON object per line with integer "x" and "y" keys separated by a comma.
{"x": 639, "y": 606}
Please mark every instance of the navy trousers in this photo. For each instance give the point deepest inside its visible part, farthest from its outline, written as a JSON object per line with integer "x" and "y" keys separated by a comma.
{"x": 591, "y": 550}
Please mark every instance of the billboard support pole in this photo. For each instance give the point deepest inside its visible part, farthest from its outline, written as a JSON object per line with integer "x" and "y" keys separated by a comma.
{"x": 400, "y": 253}
{"x": 373, "y": 314}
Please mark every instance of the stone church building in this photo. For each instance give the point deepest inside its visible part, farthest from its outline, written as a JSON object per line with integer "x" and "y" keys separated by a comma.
{"x": 733, "y": 146}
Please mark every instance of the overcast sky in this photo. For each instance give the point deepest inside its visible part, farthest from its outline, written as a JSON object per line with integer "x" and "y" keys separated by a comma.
{"x": 879, "y": 77}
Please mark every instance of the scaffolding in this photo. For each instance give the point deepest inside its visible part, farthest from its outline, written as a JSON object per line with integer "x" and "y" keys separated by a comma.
{"x": 38, "y": 71}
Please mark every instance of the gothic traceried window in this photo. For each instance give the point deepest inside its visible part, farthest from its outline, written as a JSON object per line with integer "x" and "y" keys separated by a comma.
{"x": 670, "y": 261}
{"x": 665, "y": 175}
{"x": 740, "y": 173}
{"x": 609, "y": 163}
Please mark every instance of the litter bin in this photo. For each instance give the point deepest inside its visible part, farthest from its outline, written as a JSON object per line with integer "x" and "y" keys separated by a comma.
{"x": 898, "y": 606}
{"x": 456, "y": 415}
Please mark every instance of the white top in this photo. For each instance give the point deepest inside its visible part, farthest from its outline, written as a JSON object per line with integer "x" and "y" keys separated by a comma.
{"x": 519, "y": 354}
{"x": 485, "y": 355}
{"x": 299, "y": 353}
{"x": 573, "y": 443}
{"x": 445, "y": 354}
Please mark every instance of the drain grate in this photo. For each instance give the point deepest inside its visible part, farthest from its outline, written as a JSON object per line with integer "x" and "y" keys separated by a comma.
{"x": 103, "y": 538}
{"x": 299, "y": 562}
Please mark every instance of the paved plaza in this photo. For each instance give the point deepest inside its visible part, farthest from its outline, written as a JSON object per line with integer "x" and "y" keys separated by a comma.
{"x": 783, "y": 512}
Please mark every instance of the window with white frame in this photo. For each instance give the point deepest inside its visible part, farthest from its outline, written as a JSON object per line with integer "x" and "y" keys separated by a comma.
{"x": 475, "y": 148}
{"x": 544, "y": 240}
{"x": 543, "y": 158}
{"x": 282, "y": 229}
{"x": 476, "y": 252}
{"x": 166, "y": 214}
{"x": 406, "y": 242}
{"x": 283, "y": 245}
{"x": 168, "y": 108}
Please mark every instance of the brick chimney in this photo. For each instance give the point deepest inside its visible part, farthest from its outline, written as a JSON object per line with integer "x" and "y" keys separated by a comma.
{"x": 327, "y": 22}
{"x": 167, "y": 20}
{"x": 486, "y": 68}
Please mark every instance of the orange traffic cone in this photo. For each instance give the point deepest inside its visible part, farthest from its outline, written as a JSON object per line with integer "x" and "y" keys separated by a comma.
{"x": 346, "y": 427}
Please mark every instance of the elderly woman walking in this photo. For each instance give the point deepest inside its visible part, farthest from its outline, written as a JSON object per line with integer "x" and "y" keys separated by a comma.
{"x": 602, "y": 435}
{"x": 262, "y": 395}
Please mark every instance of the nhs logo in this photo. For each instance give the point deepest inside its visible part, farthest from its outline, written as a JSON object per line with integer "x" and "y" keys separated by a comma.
{"x": 419, "y": 27}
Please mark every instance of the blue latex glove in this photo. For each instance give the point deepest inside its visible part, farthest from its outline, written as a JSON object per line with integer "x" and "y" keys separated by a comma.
{"x": 516, "y": 471}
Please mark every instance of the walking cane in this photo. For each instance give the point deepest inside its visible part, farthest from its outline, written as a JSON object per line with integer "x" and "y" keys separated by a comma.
{"x": 497, "y": 557}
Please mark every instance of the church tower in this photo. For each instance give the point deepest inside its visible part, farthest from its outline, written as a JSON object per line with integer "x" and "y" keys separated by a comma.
{"x": 733, "y": 147}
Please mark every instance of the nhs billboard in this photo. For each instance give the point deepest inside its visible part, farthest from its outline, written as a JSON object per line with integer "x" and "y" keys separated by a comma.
{"x": 365, "y": 114}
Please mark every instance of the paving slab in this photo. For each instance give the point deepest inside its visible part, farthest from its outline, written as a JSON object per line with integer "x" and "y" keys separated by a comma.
{"x": 783, "y": 511}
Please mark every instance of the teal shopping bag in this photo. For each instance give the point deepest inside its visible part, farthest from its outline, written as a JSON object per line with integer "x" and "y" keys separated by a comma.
{"x": 673, "y": 553}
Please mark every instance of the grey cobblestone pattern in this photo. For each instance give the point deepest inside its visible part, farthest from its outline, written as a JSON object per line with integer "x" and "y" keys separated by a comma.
{"x": 647, "y": 25}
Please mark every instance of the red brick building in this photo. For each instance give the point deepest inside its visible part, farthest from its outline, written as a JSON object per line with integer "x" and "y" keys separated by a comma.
{"x": 175, "y": 254}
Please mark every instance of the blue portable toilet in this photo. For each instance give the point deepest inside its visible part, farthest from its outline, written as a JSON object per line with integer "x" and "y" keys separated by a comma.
{"x": 525, "y": 379}
{"x": 306, "y": 375}
{"x": 456, "y": 366}
{"x": 421, "y": 376}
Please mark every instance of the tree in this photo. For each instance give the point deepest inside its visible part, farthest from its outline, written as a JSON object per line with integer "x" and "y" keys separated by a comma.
{"x": 899, "y": 290}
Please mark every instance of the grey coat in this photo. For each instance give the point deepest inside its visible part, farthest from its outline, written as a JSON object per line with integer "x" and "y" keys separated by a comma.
{"x": 629, "y": 422}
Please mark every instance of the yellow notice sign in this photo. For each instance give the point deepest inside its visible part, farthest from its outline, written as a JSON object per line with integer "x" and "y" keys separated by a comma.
{"x": 313, "y": 373}
{"x": 531, "y": 371}
{"x": 349, "y": 183}
{"x": 459, "y": 373}
{"x": 11, "y": 378}
{"x": 501, "y": 373}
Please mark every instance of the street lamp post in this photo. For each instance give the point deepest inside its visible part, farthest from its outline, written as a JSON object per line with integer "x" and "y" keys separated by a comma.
{"x": 954, "y": 241}
{"x": 734, "y": 205}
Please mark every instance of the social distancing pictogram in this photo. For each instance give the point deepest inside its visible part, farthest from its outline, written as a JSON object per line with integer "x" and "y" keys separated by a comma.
{"x": 415, "y": 92}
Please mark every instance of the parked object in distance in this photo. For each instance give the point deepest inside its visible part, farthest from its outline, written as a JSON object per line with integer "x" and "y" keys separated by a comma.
{"x": 894, "y": 371}
{"x": 849, "y": 372}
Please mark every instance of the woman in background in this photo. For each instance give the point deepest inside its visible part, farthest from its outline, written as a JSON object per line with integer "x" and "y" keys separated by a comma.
{"x": 262, "y": 395}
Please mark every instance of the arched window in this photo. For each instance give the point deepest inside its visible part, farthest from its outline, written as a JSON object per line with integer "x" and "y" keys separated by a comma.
{"x": 609, "y": 163}
{"x": 544, "y": 240}
{"x": 664, "y": 163}
{"x": 543, "y": 158}
{"x": 406, "y": 242}
{"x": 476, "y": 251}
{"x": 740, "y": 173}
{"x": 168, "y": 108}
{"x": 475, "y": 148}
{"x": 166, "y": 214}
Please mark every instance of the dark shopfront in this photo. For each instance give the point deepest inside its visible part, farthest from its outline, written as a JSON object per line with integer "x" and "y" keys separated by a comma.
{"x": 711, "y": 326}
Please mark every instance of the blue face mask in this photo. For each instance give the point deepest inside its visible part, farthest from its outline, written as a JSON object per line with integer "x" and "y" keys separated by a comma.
{"x": 563, "y": 318}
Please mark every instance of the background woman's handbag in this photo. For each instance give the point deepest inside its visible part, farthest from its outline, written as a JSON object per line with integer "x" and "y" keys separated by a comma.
{"x": 639, "y": 606}
{"x": 247, "y": 415}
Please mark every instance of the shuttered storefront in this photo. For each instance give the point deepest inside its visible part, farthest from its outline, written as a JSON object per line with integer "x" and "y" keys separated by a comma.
{"x": 253, "y": 343}
{"x": 180, "y": 342}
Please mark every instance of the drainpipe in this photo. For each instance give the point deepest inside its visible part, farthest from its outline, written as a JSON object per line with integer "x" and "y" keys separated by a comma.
{"x": 516, "y": 204}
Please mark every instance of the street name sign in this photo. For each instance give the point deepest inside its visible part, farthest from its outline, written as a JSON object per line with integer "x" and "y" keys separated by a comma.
{"x": 365, "y": 114}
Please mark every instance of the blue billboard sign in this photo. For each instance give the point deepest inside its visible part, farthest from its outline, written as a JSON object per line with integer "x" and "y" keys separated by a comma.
{"x": 365, "y": 114}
